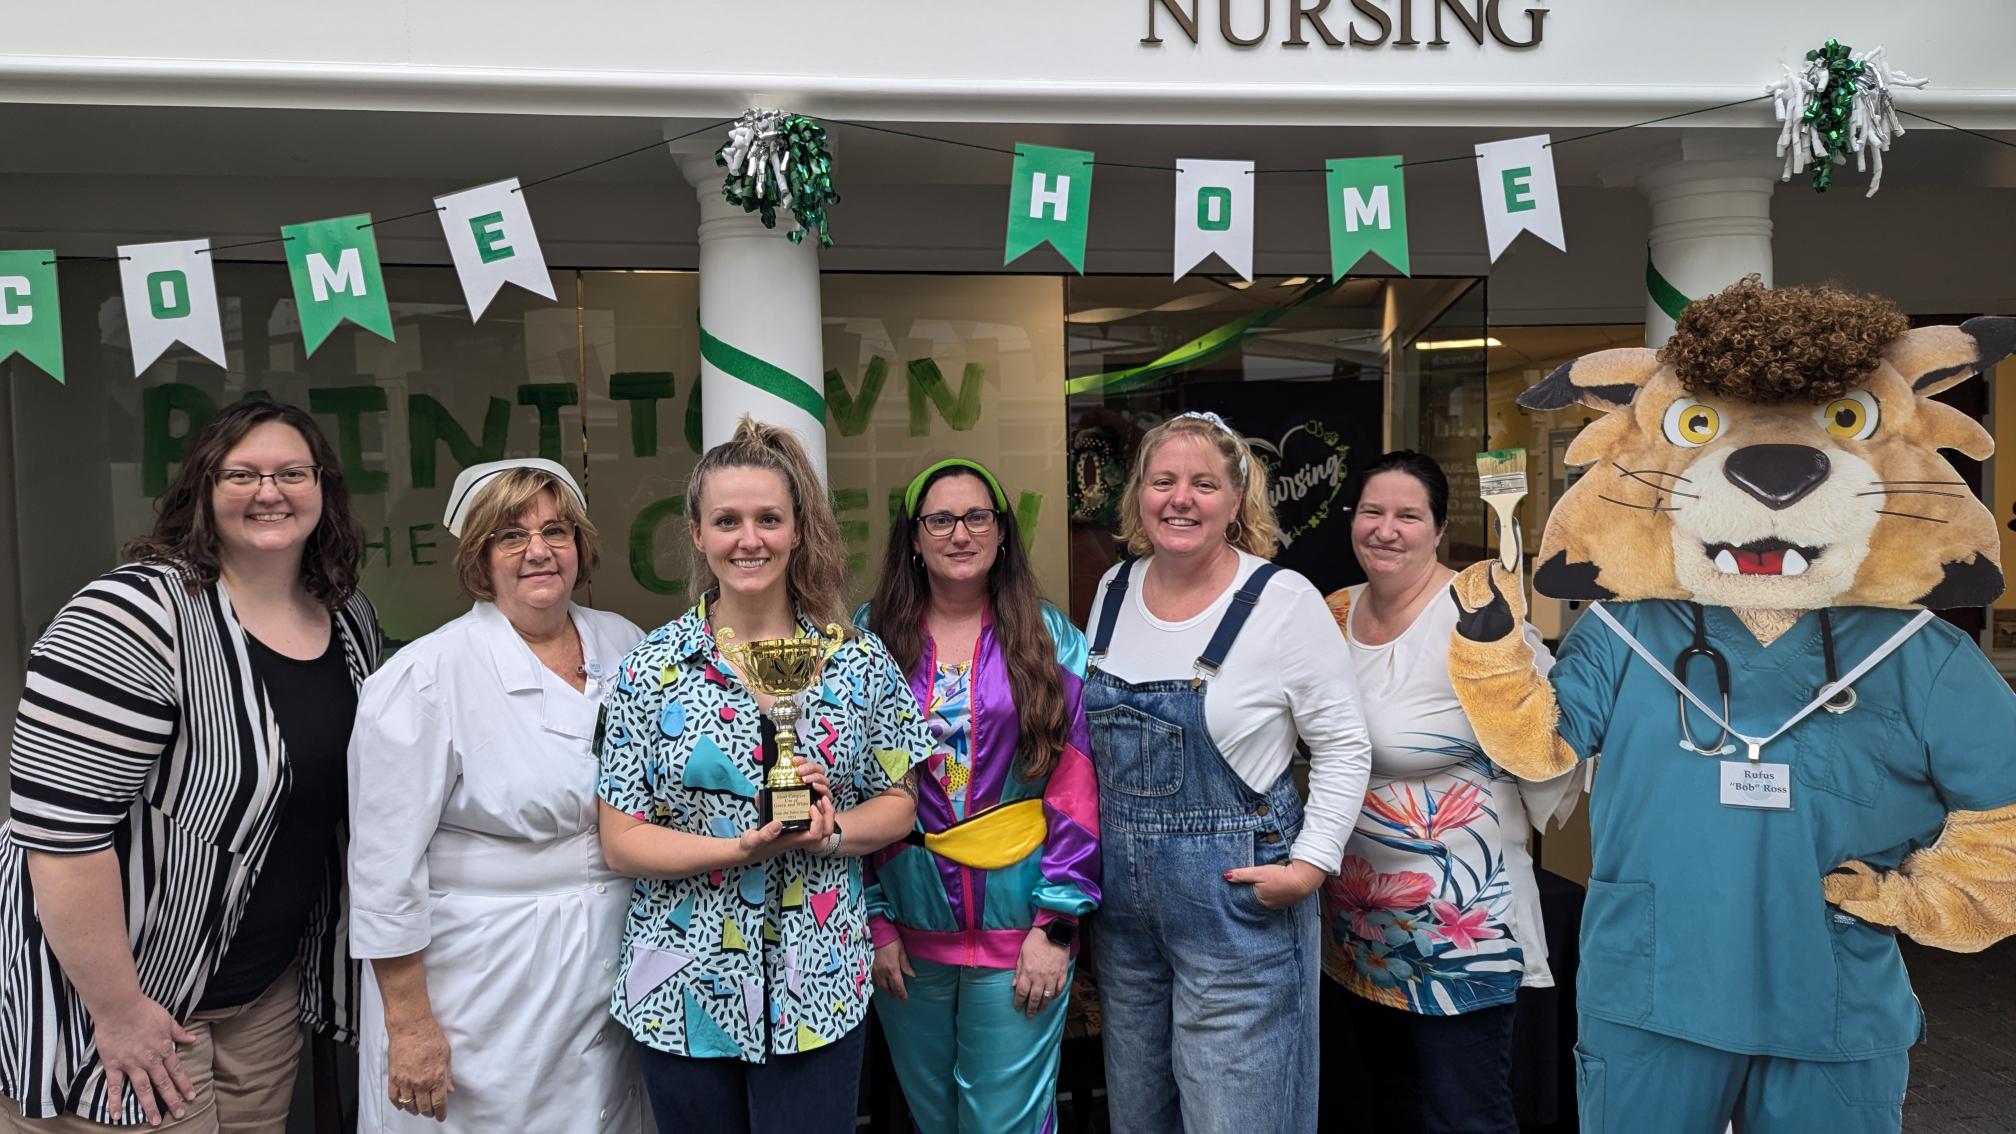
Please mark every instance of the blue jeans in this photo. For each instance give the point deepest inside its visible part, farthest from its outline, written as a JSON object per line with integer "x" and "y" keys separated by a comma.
{"x": 814, "y": 1092}
{"x": 1208, "y": 998}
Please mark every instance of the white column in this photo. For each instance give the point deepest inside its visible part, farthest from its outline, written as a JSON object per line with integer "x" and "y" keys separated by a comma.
{"x": 1711, "y": 226}
{"x": 759, "y": 299}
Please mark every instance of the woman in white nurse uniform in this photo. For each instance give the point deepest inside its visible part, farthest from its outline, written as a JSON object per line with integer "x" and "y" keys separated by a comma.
{"x": 478, "y": 891}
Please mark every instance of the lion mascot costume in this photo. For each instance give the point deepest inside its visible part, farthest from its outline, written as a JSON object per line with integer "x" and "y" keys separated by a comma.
{"x": 1798, "y": 761}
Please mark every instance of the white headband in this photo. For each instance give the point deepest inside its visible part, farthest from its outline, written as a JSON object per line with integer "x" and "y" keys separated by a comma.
{"x": 469, "y": 486}
{"x": 1214, "y": 420}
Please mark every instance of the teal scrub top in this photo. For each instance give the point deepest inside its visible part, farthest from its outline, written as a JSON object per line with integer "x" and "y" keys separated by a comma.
{"x": 1705, "y": 921}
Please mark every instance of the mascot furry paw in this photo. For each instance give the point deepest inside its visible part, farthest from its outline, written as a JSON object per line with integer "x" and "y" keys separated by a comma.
{"x": 1798, "y": 760}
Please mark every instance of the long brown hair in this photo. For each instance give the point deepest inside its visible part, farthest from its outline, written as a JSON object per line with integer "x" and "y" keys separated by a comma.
{"x": 185, "y": 527}
{"x": 896, "y": 615}
{"x": 816, "y": 577}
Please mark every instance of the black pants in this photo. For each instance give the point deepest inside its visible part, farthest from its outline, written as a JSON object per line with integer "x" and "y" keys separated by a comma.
{"x": 1387, "y": 1069}
{"x": 813, "y": 1093}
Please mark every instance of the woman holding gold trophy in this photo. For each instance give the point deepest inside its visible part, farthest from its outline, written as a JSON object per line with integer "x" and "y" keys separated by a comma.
{"x": 975, "y": 916}
{"x": 744, "y": 970}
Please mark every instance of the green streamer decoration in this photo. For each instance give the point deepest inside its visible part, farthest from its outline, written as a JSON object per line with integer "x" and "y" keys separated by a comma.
{"x": 779, "y": 160}
{"x": 1830, "y": 113}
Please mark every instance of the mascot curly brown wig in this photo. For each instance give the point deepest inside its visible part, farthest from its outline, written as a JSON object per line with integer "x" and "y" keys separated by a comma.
{"x": 1798, "y": 760}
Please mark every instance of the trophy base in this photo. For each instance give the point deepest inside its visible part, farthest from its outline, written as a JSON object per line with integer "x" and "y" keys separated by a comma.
{"x": 791, "y": 806}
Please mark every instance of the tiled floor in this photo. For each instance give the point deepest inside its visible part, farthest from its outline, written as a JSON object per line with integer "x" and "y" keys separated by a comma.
{"x": 1963, "y": 1079}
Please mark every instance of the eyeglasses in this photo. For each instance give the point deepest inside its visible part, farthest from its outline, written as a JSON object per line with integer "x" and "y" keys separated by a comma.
{"x": 245, "y": 482}
{"x": 979, "y": 521}
{"x": 556, "y": 534}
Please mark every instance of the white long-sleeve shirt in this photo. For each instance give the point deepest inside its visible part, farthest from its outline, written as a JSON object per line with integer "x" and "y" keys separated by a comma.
{"x": 1288, "y": 674}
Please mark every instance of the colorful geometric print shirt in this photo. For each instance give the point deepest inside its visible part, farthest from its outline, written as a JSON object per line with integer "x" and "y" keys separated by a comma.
{"x": 765, "y": 959}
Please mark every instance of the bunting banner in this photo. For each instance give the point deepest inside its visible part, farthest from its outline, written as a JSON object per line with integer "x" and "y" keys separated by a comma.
{"x": 1214, "y": 213}
{"x": 171, "y": 296}
{"x": 1368, "y": 212}
{"x": 490, "y": 235}
{"x": 334, "y": 265}
{"x": 1049, "y": 201}
{"x": 1516, "y": 177}
{"x": 31, "y": 325}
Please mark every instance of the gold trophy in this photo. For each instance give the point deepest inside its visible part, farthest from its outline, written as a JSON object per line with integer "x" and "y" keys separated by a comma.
{"x": 783, "y": 668}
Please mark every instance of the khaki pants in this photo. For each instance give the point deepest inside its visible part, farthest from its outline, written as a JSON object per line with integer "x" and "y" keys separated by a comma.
{"x": 242, "y": 1066}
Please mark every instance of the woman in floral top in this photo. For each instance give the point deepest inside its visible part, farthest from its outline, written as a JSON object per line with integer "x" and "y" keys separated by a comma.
{"x": 744, "y": 974}
{"x": 1433, "y": 923}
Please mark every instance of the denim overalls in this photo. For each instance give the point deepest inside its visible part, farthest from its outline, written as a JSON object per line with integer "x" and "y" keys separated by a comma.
{"x": 1208, "y": 998}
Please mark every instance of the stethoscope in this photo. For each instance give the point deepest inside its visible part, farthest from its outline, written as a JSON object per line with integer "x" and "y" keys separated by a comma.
{"x": 1839, "y": 703}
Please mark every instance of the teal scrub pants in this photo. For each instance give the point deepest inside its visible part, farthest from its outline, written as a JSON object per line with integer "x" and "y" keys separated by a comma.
{"x": 968, "y": 1061}
{"x": 1631, "y": 1081}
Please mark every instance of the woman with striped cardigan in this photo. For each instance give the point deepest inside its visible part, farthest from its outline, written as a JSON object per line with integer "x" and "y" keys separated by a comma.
{"x": 171, "y": 871}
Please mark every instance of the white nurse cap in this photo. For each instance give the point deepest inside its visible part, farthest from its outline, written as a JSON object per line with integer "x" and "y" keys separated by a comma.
{"x": 473, "y": 479}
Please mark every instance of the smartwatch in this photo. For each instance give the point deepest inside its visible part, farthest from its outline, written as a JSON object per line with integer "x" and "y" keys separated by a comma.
{"x": 1061, "y": 932}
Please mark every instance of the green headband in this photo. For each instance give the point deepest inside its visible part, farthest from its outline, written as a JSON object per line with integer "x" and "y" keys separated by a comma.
{"x": 916, "y": 490}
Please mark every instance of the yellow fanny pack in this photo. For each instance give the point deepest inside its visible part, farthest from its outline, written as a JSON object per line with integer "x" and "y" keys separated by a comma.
{"x": 999, "y": 836}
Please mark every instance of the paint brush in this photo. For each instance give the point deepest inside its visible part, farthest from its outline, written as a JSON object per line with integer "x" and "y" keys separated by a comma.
{"x": 1501, "y": 480}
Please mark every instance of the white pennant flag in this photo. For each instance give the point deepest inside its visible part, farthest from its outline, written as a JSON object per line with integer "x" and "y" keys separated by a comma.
{"x": 1517, "y": 180}
{"x": 1214, "y": 213}
{"x": 171, "y": 294}
{"x": 490, "y": 234}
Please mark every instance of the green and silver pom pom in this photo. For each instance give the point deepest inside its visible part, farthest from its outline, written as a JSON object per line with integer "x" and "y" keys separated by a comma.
{"x": 775, "y": 160}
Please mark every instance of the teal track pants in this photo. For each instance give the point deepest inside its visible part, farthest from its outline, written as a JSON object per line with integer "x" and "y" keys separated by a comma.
{"x": 968, "y": 1061}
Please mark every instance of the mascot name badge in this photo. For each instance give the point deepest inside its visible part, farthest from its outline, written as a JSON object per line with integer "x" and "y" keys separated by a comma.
{"x": 1750, "y": 783}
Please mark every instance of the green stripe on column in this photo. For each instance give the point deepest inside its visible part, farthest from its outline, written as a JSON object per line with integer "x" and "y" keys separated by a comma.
{"x": 767, "y": 377}
{"x": 1670, "y": 299}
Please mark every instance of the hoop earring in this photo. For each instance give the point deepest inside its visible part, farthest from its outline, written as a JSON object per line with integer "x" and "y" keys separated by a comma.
{"x": 1235, "y": 533}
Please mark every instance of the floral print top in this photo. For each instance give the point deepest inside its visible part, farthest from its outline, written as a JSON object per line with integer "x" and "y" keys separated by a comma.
{"x": 764, "y": 959}
{"x": 1435, "y": 910}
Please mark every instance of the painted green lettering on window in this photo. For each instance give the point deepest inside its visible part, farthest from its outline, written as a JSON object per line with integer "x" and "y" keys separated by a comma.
{"x": 161, "y": 444}
{"x": 927, "y": 387}
{"x": 415, "y": 545}
{"x": 549, "y": 397}
{"x": 851, "y": 412}
{"x": 644, "y": 538}
{"x": 349, "y": 404}
{"x": 429, "y": 425}
{"x": 642, "y": 388}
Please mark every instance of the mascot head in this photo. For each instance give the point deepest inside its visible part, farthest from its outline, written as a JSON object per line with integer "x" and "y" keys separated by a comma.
{"x": 1781, "y": 451}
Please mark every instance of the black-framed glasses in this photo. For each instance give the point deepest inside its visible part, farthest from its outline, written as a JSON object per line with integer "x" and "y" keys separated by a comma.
{"x": 245, "y": 482}
{"x": 979, "y": 521}
{"x": 556, "y": 534}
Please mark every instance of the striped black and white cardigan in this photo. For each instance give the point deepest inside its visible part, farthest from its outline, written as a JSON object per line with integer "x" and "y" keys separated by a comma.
{"x": 142, "y": 728}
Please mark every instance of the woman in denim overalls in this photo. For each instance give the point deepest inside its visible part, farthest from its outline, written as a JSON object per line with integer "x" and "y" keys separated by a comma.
{"x": 1208, "y": 663}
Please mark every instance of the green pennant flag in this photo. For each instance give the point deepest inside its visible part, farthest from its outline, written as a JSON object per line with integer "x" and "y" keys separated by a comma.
{"x": 30, "y": 323}
{"x": 1368, "y": 212}
{"x": 334, "y": 264}
{"x": 1049, "y": 199}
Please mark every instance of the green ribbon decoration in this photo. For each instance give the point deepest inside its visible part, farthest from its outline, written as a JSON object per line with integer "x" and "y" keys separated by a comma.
{"x": 767, "y": 377}
{"x": 1830, "y": 113}
{"x": 1201, "y": 349}
{"x": 1670, "y": 299}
